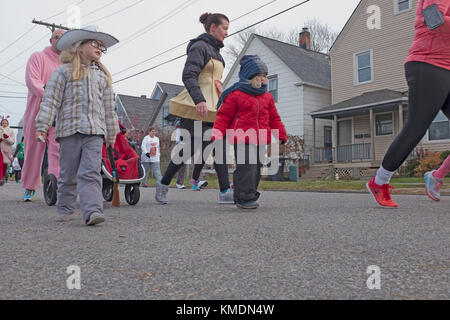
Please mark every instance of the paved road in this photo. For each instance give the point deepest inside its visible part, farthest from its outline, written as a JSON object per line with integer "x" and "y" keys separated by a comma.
{"x": 295, "y": 246}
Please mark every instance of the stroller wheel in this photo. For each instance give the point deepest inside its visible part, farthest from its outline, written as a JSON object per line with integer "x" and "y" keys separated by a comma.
{"x": 107, "y": 190}
{"x": 132, "y": 194}
{"x": 50, "y": 188}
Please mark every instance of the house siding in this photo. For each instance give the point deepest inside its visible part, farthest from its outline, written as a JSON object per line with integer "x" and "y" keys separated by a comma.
{"x": 314, "y": 99}
{"x": 295, "y": 103}
{"x": 390, "y": 46}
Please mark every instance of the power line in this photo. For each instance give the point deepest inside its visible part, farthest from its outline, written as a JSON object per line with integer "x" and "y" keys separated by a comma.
{"x": 32, "y": 28}
{"x": 182, "y": 44}
{"x": 119, "y": 11}
{"x": 11, "y": 79}
{"x": 248, "y": 27}
{"x": 14, "y": 92}
{"x": 12, "y": 97}
{"x": 22, "y": 52}
{"x": 12, "y": 72}
{"x": 154, "y": 24}
{"x": 98, "y": 9}
{"x": 11, "y": 84}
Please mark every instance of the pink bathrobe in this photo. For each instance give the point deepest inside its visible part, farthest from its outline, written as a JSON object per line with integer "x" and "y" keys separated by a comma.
{"x": 39, "y": 69}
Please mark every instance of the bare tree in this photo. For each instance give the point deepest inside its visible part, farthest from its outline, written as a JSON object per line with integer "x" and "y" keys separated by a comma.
{"x": 322, "y": 38}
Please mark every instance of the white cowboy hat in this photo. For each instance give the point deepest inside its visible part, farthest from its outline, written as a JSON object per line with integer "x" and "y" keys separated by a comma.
{"x": 73, "y": 36}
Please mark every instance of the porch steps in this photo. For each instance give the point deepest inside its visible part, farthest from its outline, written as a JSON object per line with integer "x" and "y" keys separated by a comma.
{"x": 318, "y": 172}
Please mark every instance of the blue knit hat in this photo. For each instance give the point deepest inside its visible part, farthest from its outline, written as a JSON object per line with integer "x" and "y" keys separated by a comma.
{"x": 251, "y": 65}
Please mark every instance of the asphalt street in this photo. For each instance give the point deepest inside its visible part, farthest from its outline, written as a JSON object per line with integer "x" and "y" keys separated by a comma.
{"x": 296, "y": 246}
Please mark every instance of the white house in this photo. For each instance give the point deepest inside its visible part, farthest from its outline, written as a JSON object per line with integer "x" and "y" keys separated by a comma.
{"x": 300, "y": 82}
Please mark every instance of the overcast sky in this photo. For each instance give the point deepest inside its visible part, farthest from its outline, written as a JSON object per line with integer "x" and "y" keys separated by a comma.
{"x": 169, "y": 23}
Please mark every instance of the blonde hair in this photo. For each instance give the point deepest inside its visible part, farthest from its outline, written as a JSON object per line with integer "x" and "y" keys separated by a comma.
{"x": 78, "y": 71}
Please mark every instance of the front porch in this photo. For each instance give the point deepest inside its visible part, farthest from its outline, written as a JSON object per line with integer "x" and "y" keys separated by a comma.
{"x": 362, "y": 129}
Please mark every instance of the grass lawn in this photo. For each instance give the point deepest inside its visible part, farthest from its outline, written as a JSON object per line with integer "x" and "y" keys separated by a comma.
{"x": 322, "y": 185}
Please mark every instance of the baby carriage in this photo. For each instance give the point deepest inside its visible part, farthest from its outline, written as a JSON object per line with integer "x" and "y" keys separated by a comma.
{"x": 129, "y": 167}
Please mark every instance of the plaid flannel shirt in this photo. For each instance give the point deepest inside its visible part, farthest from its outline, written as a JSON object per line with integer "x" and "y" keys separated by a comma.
{"x": 86, "y": 106}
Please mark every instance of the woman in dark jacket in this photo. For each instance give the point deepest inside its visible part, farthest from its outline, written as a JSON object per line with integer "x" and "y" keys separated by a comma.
{"x": 201, "y": 76}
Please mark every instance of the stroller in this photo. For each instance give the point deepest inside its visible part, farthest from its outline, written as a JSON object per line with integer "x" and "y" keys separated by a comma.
{"x": 129, "y": 166}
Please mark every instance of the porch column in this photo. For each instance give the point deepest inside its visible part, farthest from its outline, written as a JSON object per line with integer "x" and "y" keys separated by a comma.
{"x": 335, "y": 139}
{"x": 372, "y": 136}
{"x": 313, "y": 158}
{"x": 400, "y": 118}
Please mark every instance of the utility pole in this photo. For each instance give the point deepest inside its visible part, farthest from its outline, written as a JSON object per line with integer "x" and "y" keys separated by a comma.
{"x": 51, "y": 26}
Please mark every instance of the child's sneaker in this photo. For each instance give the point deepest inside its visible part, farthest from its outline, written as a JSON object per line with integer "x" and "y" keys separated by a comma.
{"x": 248, "y": 205}
{"x": 28, "y": 195}
{"x": 433, "y": 186}
{"x": 194, "y": 185}
{"x": 180, "y": 186}
{"x": 381, "y": 194}
{"x": 161, "y": 193}
{"x": 95, "y": 218}
{"x": 226, "y": 197}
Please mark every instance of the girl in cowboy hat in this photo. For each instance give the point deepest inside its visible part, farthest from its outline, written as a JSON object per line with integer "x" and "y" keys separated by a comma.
{"x": 6, "y": 142}
{"x": 80, "y": 96}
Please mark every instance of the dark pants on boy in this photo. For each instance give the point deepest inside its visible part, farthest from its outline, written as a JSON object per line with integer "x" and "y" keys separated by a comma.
{"x": 247, "y": 174}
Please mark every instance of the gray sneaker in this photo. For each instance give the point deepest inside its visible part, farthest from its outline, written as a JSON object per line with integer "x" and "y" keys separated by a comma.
{"x": 161, "y": 193}
{"x": 95, "y": 218}
{"x": 63, "y": 218}
{"x": 227, "y": 197}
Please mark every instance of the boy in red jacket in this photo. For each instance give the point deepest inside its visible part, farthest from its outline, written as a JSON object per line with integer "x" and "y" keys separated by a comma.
{"x": 247, "y": 116}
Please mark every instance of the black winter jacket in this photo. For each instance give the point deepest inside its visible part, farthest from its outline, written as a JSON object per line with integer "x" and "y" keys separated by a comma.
{"x": 199, "y": 52}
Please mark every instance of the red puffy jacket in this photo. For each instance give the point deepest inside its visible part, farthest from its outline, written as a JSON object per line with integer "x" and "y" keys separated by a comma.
{"x": 249, "y": 119}
{"x": 431, "y": 46}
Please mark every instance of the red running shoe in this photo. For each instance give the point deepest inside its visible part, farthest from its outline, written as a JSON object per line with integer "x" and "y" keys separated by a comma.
{"x": 381, "y": 194}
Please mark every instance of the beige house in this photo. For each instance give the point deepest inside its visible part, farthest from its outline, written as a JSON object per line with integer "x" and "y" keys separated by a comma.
{"x": 369, "y": 90}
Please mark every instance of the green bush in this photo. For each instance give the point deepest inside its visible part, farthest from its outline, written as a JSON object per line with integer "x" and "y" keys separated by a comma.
{"x": 407, "y": 170}
{"x": 444, "y": 155}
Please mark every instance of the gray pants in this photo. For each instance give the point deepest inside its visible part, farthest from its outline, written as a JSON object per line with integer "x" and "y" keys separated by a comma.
{"x": 80, "y": 159}
{"x": 155, "y": 168}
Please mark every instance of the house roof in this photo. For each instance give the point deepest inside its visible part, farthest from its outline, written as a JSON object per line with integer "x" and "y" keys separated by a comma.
{"x": 367, "y": 100}
{"x": 139, "y": 110}
{"x": 172, "y": 90}
{"x": 310, "y": 66}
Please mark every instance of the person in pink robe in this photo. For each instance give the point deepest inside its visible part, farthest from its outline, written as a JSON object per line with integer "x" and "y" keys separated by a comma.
{"x": 40, "y": 67}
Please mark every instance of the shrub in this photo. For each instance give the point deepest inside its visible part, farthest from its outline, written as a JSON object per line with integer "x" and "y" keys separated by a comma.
{"x": 407, "y": 170}
{"x": 430, "y": 161}
{"x": 444, "y": 155}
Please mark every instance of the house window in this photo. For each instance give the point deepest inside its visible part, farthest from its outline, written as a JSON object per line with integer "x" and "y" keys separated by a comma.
{"x": 439, "y": 128}
{"x": 401, "y": 6}
{"x": 273, "y": 86}
{"x": 363, "y": 67}
{"x": 383, "y": 124}
{"x": 165, "y": 113}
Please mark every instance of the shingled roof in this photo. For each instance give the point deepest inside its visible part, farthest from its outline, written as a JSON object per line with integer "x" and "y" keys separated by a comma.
{"x": 139, "y": 110}
{"x": 172, "y": 90}
{"x": 367, "y": 100}
{"x": 311, "y": 66}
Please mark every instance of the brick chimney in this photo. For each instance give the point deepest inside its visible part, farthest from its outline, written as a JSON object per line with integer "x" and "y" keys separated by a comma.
{"x": 304, "y": 39}
{"x": 144, "y": 96}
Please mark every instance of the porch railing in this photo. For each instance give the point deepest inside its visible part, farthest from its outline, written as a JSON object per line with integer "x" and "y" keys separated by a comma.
{"x": 347, "y": 153}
